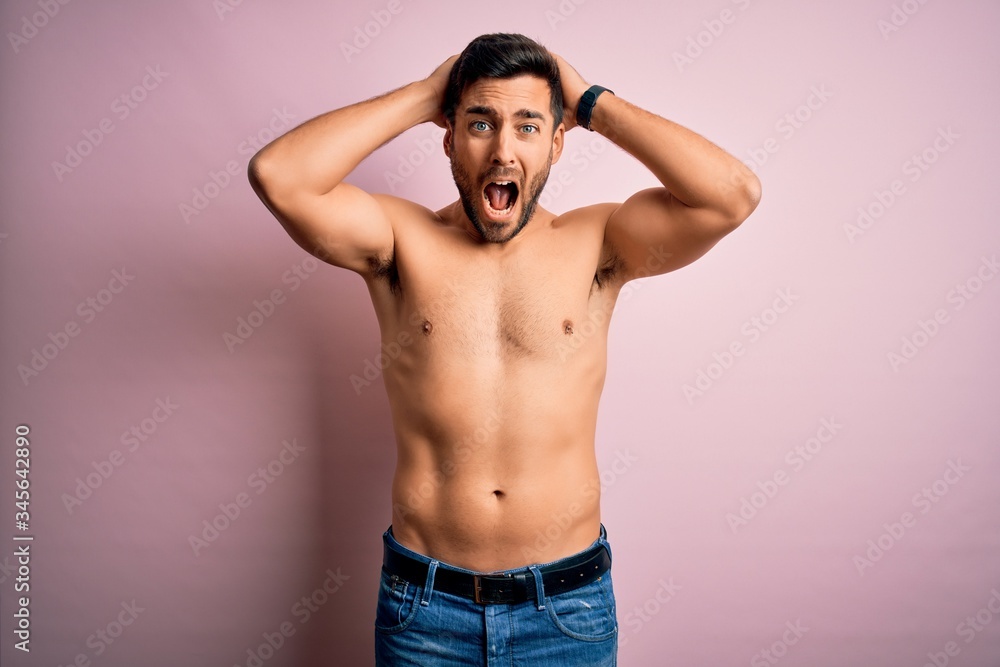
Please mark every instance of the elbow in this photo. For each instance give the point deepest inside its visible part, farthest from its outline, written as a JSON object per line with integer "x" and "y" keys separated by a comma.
{"x": 752, "y": 194}
{"x": 260, "y": 175}
{"x": 744, "y": 198}
{"x": 255, "y": 171}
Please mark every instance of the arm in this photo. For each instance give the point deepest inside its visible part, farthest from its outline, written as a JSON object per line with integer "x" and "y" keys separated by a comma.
{"x": 706, "y": 192}
{"x": 299, "y": 176}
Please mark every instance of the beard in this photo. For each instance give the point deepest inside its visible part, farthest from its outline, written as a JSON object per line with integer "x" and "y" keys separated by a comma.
{"x": 470, "y": 192}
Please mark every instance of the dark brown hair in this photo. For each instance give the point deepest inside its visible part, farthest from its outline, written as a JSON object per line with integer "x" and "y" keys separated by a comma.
{"x": 503, "y": 56}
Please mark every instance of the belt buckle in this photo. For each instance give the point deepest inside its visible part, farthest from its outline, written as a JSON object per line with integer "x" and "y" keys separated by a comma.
{"x": 477, "y": 588}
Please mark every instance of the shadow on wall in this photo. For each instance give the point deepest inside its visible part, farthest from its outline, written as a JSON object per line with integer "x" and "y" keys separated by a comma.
{"x": 354, "y": 476}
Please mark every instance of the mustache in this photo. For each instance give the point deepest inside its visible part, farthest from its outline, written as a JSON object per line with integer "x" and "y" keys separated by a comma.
{"x": 501, "y": 174}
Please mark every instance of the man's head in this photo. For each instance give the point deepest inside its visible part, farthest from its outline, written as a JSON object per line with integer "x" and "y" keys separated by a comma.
{"x": 503, "y": 56}
{"x": 504, "y": 109}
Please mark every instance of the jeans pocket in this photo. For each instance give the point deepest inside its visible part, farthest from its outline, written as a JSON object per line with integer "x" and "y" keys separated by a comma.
{"x": 586, "y": 613}
{"x": 398, "y": 602}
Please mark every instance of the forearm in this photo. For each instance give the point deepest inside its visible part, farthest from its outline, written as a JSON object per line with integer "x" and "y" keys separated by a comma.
{"x": 317, "y": 155}
{"x": 692, "y": 168}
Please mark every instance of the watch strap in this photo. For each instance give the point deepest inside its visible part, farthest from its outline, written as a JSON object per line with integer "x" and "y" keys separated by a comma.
{"x": 585, "y": 108}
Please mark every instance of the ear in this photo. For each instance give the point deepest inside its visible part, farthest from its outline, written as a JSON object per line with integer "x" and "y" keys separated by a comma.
{"x": 447, "y": 139}
{"x": 558, "y": 138}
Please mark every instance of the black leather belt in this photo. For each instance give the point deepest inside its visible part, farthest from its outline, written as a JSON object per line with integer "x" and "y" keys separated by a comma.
{"x": 566, "y": 575}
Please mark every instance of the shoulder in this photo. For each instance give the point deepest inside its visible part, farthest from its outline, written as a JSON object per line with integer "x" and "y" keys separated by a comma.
{"x": 403, "y": 210}
{"x": 413, "y": 223}
{"x": 589, "y": 223}
{"x": 407, "y": 219}
{"x": 593, "y": 216}
{"x": 592, "y": 221}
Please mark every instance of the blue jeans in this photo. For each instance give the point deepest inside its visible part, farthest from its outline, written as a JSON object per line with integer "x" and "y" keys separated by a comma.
{"x": 417, "y": 626}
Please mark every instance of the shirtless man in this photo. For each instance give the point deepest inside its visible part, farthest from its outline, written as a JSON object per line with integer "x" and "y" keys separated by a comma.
{"x": 501, "y": 311}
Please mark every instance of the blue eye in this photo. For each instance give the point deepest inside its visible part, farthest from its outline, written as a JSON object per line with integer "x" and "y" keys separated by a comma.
{"x": 530, "y": 129}
{"x": 480, "y": 125}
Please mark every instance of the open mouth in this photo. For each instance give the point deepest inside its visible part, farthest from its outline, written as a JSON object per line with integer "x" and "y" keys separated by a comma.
{"x": 499, "y": 198}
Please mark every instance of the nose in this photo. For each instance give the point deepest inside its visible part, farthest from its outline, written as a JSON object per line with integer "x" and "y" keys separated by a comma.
{"x": 503, "y": 148}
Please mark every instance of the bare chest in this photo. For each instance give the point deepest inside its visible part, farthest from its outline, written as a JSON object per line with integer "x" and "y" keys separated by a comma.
{"x": 480, "y": 305}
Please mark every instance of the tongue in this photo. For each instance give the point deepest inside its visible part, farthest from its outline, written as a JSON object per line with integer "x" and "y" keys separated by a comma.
{"x": 498, "y": 195}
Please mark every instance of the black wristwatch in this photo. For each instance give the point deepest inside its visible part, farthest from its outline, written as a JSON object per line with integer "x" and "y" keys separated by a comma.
{"x": 585, "y": 109}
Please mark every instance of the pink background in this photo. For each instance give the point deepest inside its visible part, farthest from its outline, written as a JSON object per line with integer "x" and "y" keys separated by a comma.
{"x": 693, "y": 586}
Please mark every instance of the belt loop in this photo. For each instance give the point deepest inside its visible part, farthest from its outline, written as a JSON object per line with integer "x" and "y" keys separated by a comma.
{"x": 429, "y": 583}
{"x": 603, "y": 540}
{"x": 539, "y": 587}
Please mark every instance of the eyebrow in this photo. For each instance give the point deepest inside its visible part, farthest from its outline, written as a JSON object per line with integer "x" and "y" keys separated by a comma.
{"x": 480, "y": 110}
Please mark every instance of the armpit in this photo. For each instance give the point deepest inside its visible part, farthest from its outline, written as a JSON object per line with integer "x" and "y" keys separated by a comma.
{"x": 385, "y": 269}
{"x": 609, "y": 270}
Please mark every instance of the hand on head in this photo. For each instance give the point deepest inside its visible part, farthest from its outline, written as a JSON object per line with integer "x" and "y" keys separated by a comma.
{"x": 573, "y": 88}
{"x": 439, "y": 80}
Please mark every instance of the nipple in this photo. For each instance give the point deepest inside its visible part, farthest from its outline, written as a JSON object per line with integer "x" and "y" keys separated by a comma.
{"x": 426, "y": 328}
{"x": 568, "y": 328}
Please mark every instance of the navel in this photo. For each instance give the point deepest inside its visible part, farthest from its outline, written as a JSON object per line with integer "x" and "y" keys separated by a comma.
{"x": 568, "y": 328}
{"x": 498, "y": 494}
